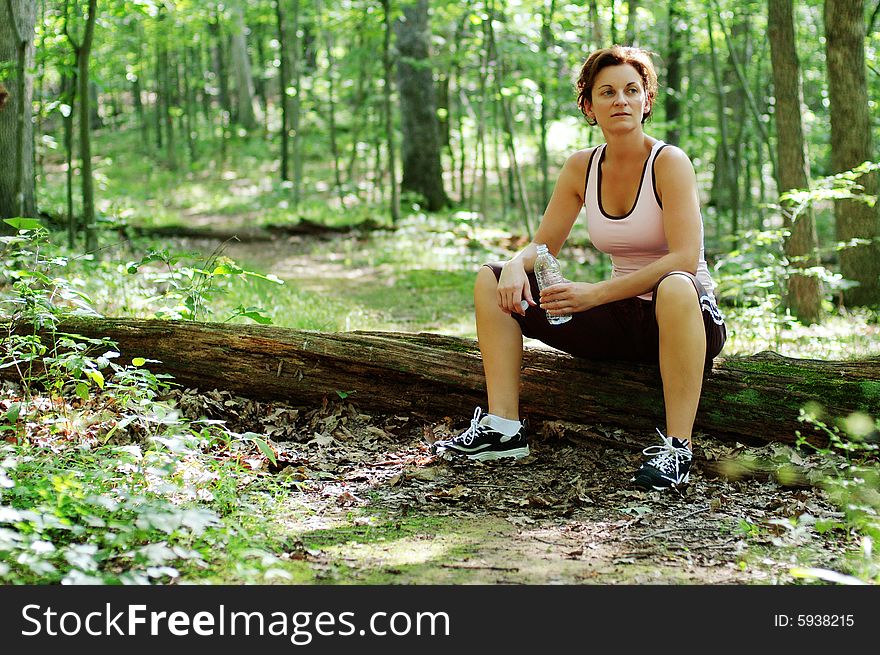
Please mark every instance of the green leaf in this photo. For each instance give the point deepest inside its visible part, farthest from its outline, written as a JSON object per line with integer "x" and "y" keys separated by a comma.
{"x": 13, "y": 412}
{"x": 262, "y": 319}
{"x": 24, "y": 223}
{"x": 138, "y": 361}
{"x": 345, "y": 394}
{"x": 264, "y": 447}
{"x": 82, "y": 390}
{"x": 253, "y": 313}
{"x": 97, "y": 377}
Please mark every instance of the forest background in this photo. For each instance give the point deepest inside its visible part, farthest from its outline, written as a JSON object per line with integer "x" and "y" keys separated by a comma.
{"x": 348, "y": 165}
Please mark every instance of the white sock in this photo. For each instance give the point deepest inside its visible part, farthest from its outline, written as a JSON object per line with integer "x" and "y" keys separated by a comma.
{"x": 505, "y": 426}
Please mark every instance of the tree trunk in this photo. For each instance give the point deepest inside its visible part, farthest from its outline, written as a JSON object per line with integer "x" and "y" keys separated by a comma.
{"x": 596, "y": 25}
{"x": 191, "y": 71}
{"x": 220, "y": 68}
{"x": 422, "y": 169}
{"x": 83, "y": 52}
{"x": 259, "y": 79}
{"x": 723, "y": 168}
{"x": 517, "y": 182}
{"x": 676, "y": 40}
{"x": 459, "y": 56}
{"x": 297, "y": 105}
{"x": 40, "y": 93}
{"x": 851, "y": 144}
{"x": 726, "y": 191}
{"x": 544, "y": 89}
{"x": 749, "y": 399}
{"x": 387, "y": 66}
{"x": 17, "y": 197}
{"x": 166, "y": 119}
{"x": 804, "y": 297}
{"x": 244, "y": 82}
{"x": 95, "y": 120}
{"x": 139, "y": 104}
{"x": 321, "y": 21}
{"x": 68, "y": 94}
{"x": 480, "y": 154}
{"x": 632, "y": 8}
{"x": 283, "y": 81}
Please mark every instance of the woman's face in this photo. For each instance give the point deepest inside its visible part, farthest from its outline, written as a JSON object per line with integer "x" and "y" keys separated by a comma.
{"x": 618, "y": 98}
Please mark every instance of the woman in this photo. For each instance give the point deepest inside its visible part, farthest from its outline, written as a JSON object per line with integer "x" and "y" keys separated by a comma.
{"x": 642, "y": 208}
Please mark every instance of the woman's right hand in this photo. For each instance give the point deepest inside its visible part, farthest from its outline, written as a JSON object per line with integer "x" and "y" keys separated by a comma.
{"x": 513, "y": 288}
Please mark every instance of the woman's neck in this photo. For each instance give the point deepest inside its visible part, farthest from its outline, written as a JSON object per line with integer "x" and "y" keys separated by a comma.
{"x": 633, "y": 145}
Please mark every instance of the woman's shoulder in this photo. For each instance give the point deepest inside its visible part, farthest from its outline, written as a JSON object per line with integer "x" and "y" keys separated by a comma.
{"x": 672, "y": 161}
{"x": 585, "y": 154}
{"x": 578, "y": 160}
{"x": 671, "y": 154}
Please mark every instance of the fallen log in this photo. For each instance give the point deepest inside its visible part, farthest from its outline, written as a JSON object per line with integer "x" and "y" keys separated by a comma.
{"x": 250, "y": 234}
{"x": 755, "y": 399}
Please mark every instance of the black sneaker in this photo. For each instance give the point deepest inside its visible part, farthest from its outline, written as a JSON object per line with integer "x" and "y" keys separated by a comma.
{"x": 670, "y": 466}
{"x": 482, "y": 442}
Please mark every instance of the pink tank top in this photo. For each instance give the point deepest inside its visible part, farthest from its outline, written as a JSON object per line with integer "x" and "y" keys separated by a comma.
{"x": 635, "y": 239}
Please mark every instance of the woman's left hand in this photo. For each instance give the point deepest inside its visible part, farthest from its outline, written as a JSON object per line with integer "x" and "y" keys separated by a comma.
{"x": 570, "y": 297}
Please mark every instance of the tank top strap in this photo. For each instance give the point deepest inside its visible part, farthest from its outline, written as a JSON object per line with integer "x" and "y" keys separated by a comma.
{"x": 592, "y": 174}
{"x": 649, "y": 172}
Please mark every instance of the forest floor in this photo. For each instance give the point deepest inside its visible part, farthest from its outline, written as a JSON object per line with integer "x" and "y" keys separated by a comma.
{"x": 369, "y": 503}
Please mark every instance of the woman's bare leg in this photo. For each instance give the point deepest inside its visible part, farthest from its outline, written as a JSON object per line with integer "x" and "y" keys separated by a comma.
{"x": 501, "y": 344}
{"x": 682, "y": 352}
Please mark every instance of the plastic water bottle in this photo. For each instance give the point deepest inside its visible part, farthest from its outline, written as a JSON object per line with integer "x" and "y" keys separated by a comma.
{"x": 548, "y": 273}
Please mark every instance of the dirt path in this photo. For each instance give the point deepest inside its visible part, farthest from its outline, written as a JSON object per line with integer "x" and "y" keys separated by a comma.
{"x": 368, "y": 503}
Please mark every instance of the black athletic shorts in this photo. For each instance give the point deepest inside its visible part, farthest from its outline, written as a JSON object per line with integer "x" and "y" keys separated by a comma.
{"x": 621, "y": 330}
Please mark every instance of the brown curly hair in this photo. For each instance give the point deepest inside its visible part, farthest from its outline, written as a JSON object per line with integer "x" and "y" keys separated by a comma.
{"x": 615, "y": 56}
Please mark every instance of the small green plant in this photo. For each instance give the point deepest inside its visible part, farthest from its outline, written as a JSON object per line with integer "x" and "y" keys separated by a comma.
{"x": 854, "y": 485}
{"x": 854, "y": 437}
{"x": 101, "y": 480}
{"x": 187, "y": 291}
{"x": 754, "y": 277}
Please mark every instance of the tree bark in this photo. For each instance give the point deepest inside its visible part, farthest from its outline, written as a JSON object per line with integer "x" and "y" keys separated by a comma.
{"x": 723, "y": 169}
{"x": 298, "y": 88}
{"x": 675, "y": 39}
{"x": 68, "y": 94}
{"x": 283, "y": 81}
{"x": 547, "y": 43}
{"x": 804, "y": 297}
{"x": 85, "y": 130}
{"x": 422, "y": 169}
{"x": 517, "y": 183}
{"x": 321, "y": 21}
{"x": 749, "y": 399}
{"x": 219, "y": 56}
{"x": 387, "y": 67}
{"x": 245, "y": 115}
{"x": 17, "y": 194}
{"x": 851, "y": 145}
{"x": 166, "y": 97}
{"x": 83, "y": 50}
{"x": 631, "y": 37}
{"x": 596, "y": 25}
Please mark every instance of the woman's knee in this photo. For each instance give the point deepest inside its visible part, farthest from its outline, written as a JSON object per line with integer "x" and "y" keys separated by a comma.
{"x": 676, "y": 292}
{"x": 486, "y": 283}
